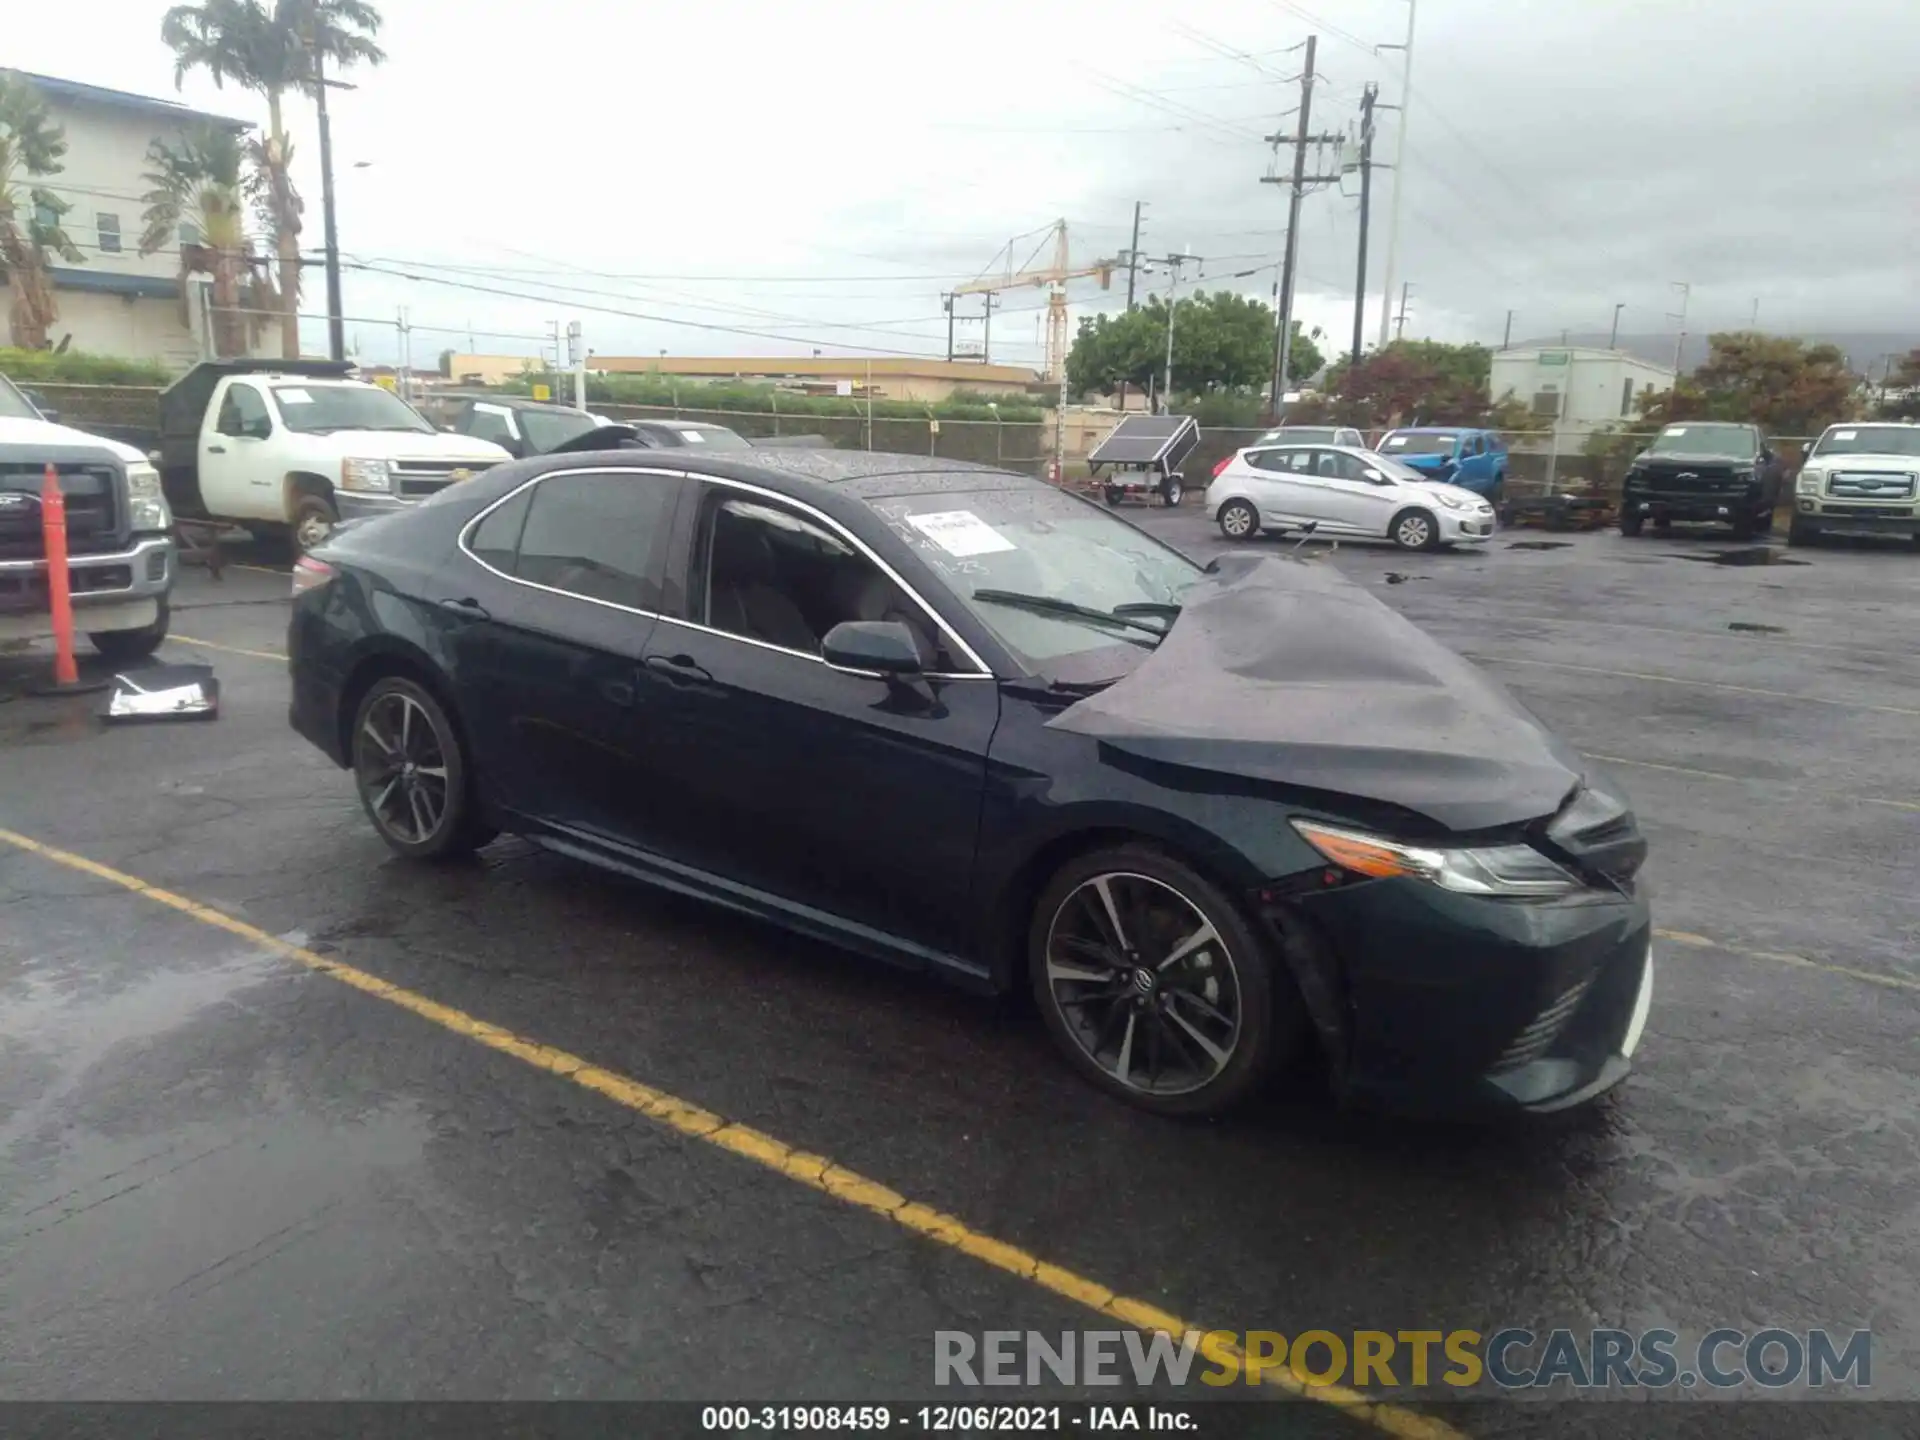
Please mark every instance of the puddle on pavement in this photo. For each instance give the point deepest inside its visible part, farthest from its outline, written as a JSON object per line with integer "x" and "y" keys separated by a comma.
{"x": 1748, "y": 555}
{"x": 1747, "y": 627}
{"x": 1539, "y": 545}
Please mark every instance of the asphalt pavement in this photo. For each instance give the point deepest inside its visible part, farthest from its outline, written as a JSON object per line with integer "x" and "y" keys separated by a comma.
{"x": 233, "y": 1172}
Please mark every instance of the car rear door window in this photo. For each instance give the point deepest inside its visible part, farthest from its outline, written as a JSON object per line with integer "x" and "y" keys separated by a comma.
{"x": 593, "y": 534}
{"x": 496, "y": 539}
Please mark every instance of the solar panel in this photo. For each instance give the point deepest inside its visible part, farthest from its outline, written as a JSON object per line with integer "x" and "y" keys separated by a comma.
{"x": 1148, "y": 440}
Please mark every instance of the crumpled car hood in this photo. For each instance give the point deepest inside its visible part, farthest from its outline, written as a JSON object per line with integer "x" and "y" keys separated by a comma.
{"x": 1284, "y": 670}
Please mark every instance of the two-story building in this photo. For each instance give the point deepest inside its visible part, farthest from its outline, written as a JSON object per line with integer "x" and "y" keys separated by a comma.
{"x": 119, "y": 302}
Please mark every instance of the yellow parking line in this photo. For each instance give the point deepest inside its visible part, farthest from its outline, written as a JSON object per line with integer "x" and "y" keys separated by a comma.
{"x": 1698, "y": 684}
{"x": 1785, "y": 957}
{"x": 258, "y": 569}
{"x": 1753, "y": 780}
{"x": 816, "y": 1172}
{"x": 228, "y": 649}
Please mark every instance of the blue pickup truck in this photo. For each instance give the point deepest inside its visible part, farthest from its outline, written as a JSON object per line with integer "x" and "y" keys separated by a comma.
{"x": 1474, "y": 460}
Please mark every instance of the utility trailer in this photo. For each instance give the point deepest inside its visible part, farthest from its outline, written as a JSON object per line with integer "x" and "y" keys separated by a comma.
{"x": 1142, "y": 457}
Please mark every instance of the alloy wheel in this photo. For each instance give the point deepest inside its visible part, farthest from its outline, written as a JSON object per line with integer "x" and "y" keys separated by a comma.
{"x": 1145, "y": 983}
{"x": 1415, "y": 532}
{"x": 402, "y": 768}
{"x": 1237, "y": 521}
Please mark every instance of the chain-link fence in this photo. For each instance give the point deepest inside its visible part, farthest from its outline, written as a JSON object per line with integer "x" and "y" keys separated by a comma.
{"x": 1013, "y": 444}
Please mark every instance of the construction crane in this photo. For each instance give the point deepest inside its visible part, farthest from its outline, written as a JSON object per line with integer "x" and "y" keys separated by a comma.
{"x": 1054, "y": 278}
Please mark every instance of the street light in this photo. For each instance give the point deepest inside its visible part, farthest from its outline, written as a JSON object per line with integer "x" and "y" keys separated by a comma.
{"x": 336, "y": 324}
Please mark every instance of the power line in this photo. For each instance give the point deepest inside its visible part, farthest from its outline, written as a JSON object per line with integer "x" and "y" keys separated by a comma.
{"x": 636, "y": 314}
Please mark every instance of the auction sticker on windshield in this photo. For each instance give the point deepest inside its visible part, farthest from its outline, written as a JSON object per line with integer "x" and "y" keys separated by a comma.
{"x": 960, "y": 532}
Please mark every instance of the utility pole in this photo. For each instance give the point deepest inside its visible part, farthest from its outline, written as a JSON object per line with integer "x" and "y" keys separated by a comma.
{"x": 1754, "y": 323}
{"x": 1283, "y": 319}
{"x": 1506, "y": 338}
{"x": 405, "y": 332}
{"x": 1613, "y": 339}
{"x": 986, "y": 332}
{"x": 1680, "y": 339}
{"x": 1366, "y": 205}
{"x": 577, "y": 358}
{"x": 1133, "y": 251}
{"x": 1173, "y": 263}
{"x": 947, "y": 300}
{"x": 1400, "y": 321}
{"x": 336, "y": 321}
{"x": 1399, "y": 162}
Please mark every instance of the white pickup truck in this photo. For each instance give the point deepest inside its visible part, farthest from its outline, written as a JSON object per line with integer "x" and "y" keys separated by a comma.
{"x": 120, "y": 556}
{"x": 297, "y": 446}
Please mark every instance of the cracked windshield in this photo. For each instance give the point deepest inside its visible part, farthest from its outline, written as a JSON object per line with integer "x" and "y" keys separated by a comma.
{"x": 1103, "y": 717}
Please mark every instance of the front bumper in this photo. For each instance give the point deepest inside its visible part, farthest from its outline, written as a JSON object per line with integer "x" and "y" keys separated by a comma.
{"x": 1722, "y": 508}
{"x": 121, "y": 590}
{"x": 1466, "y": 527}
{"x": 1462, "y": 1005}
{"x": 1856, "y": 518}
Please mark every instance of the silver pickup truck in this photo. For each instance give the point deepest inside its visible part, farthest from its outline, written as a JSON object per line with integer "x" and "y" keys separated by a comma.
{"x": 120, "y": 555}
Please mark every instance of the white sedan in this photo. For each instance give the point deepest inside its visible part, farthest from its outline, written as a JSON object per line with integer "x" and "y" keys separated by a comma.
{"x": 1342, "y": 490}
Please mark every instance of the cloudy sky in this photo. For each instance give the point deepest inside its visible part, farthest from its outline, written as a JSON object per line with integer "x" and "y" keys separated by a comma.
{"x": 820, "y": 173}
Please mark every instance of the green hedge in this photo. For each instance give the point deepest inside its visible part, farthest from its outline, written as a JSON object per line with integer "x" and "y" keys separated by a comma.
{"x": 24, "y": 367}
{"x": 645, "y": 389}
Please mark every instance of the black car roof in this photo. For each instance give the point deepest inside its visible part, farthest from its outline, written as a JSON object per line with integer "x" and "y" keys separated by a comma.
{"x": 510, "y": 402}
{"x": 860, "y": 474}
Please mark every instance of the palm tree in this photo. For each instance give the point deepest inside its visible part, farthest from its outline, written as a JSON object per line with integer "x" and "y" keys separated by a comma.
{"x": 272, "y": 51}
{"x": 30, "y": 149}
{"x": 202, "y": 183}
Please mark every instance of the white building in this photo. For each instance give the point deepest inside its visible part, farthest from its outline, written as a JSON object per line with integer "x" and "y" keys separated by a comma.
{"x": 120, "y": 302}
{"x": 1573, "y": 390}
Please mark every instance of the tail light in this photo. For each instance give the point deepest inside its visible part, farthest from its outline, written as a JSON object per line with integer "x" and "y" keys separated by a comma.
{"x": 1221, "y": 464}
{"x": 310, "y": 574}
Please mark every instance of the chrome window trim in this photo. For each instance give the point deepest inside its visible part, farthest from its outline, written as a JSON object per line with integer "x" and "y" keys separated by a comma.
{"x": 466, "y": 533}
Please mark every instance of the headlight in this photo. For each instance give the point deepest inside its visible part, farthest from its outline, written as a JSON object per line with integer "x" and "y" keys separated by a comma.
{"x": 1809, "y": 481}
{"x": 1452, "y": 502}
{"x": 146, "y": 501}
{"x": 1503, "y": 870}
{"x": 366, "y": 475}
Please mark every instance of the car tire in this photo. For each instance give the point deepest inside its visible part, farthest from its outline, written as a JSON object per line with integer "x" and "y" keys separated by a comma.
{"x": 1744, "y": 526}
{"x": 123, "y": 647}
{"x": 1114, "y": 494}
{"x": 1801, "y": 533}
{"x": 313, "y": 520}
{"x": 1238, "y": 520}
{"x": 1630, "y": 525}
{"x": 1220, "y": 1015}
{"x": 410, "y": 768}
{"x": 1415, "y": 529}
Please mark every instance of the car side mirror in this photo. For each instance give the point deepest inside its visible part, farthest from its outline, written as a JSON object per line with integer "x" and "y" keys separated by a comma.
{"x": 874, "y": 646}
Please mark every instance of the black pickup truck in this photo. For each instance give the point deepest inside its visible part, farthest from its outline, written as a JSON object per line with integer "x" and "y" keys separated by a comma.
{"x": 1703, "y": 470}
{"x": 120, "y": 555}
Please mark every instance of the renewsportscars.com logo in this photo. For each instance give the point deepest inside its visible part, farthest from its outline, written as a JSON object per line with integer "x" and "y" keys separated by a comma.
{"x": 1511, "y": 1359}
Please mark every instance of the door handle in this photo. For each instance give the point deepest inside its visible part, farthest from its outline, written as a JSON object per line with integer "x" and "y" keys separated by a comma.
{"x": 466, "y": 609}
{"x": 216, "y": 449}
{"x": 679, "y": 669}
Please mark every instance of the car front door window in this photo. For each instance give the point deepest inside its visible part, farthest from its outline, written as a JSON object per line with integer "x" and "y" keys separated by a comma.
{"x": 776, "y": 577}
{"x": 244, "y": 413}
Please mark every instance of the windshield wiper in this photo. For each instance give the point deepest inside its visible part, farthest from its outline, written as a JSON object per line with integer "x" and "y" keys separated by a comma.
{"x": 1168, "y": 608}
{"x": 1048, "y": 605}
